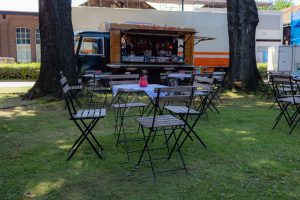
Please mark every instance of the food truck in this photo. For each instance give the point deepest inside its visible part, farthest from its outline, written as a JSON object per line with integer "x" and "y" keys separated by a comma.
{"x": 137, "y": 48}
{"x": 211, "y": 55}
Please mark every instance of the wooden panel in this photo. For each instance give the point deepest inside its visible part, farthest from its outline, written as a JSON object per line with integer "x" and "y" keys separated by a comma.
{"x": 155, "y": 28}
{"x": 115, "y": 46}
{"x": 189, "y": 49}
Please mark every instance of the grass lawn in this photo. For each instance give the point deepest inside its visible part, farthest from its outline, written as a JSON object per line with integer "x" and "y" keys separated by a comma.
{"x": 245, "y": 159}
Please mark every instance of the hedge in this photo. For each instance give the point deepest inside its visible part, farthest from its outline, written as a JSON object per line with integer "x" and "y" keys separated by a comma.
{"x": 32, "y": 70}
{"x": 262, "y": 67}
{"x": 19, "y": 71}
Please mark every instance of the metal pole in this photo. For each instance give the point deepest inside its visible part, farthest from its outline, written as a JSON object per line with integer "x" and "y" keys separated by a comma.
{"x": 182, "y": 5}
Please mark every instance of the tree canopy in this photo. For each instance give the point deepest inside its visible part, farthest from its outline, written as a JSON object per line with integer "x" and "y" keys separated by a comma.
{"x": 278, "y": 5}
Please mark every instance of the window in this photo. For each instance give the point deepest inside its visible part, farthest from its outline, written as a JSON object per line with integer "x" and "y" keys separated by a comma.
{"x": 23, "y": 36}
{"x": 37, "y": 36}
{"x": 23, "y": 45}
{"x": 76, "y": 39}
{"x": 38, "y": 45}
{"x": 92, "y": 46}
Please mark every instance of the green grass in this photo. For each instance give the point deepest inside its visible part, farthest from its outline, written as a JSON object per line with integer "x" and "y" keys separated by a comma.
{"x": 245, "y": 159}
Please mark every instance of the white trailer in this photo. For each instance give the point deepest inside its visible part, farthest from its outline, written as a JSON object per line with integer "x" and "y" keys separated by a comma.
{"x": 207, "y": 22}
{"x": 288, "y": 59}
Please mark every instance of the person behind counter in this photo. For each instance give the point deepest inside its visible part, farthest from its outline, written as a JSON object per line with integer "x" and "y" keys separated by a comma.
{"x": 127, "y": 46}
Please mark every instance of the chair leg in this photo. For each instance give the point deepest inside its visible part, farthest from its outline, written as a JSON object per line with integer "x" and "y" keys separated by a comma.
{"x": 84, "y": 135}
{"x": 199, "y": 139}
{"x": 166, "y": 140}
{"x": 146, "y": 148}
{"x": 90, "y": 132}
{"x": 294, "y": 125}
{"x": 72, "y": 151}
{"x": 93, "y": 147}
{"x": 76, "y": 142}
{"x": 119, "y": 131}
{"x": 282, "y": 113}
{"x": 176, "y": 141}
{"x": 124, "y": 136}
{"x": 180, "y": 153}
{"x": 191, "y": 130}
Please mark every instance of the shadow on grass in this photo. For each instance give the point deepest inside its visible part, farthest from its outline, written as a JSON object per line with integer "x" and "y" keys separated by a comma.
{"x": 244, "y": 158}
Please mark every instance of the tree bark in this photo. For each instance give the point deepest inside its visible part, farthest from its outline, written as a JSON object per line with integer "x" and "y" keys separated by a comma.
{"x": 242, "y": 19}
{"x": 57, "y": 48}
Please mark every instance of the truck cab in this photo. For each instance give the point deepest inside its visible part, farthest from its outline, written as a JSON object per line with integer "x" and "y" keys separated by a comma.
{"x": 92, "y": 50}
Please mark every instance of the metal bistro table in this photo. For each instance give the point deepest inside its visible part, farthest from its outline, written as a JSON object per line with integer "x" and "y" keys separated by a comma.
{"x": 122, "y": 105}
{"x": 149, "y": 91}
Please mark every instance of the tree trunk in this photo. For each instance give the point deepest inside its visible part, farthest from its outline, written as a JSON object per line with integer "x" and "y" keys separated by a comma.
{"x": 242, "y": 19}
{"x": 57, "y": 48}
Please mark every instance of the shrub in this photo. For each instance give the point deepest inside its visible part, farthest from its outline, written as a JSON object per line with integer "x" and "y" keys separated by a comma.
{"x": 19, "y": 71}
{"x": 262, "y": 67}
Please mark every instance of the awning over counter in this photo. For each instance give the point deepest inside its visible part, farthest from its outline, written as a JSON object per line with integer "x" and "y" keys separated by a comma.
{"x": 133, "y": 65}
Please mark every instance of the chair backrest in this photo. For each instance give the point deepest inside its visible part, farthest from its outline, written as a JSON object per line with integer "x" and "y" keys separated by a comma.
{"x": 63, "y": 81}
{"x": 168, "y": 94}
{"x": 283, "y": 72}
{"x": 280, "y": 84}
{"x": 187, "y": 71}
{"x": 124, "y": 76}
{"x": 123, "y": 82}
{"x": 163, "y": 76}
{"x": 67, "y": 90}
{"x": 219, "y": 76}
{"x": 281, "y": 78}
{"x": 203, "y": 83}
{"x": 90, "y": 71}
{"x": 69, "y": 100}
{"x": 204, "y": 79}
{"x": 61, "y": 73}
{"x": 122, "y": 79}
{"x": 172, "y": 94}
{"x": 165, "y": 73}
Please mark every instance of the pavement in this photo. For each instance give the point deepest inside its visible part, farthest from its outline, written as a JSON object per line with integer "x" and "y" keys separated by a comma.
{"x": 16, "y": 84}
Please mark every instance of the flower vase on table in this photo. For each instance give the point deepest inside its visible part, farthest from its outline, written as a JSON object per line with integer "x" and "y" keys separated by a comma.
{"x": 143, "y": 81}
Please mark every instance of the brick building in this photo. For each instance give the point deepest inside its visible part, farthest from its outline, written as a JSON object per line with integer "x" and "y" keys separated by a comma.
{"x": 20, "y": 36}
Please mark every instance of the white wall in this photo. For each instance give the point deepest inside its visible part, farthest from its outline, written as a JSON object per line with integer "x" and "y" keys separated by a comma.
{"x": 207, "y": 22}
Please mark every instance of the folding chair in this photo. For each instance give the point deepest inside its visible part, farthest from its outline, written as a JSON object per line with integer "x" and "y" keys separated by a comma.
{"x": 190, "y": 116}
{"x": 266, "y": 86}
{"x": 219, "y": 78}
{"x": 279, "y": 83}
{"x": 124, "y": 102}
{"x": 81, "y": 119}
{"x": 165, "y": 123}
{"x": 200, "y": 82}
